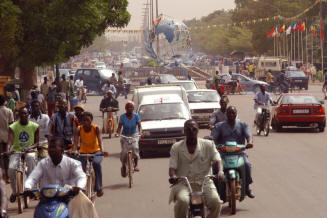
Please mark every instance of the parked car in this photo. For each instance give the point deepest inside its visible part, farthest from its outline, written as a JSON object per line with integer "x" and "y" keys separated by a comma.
{"x": 298, "y": 79}
{"x": 162, "y": 120}
{"x": 203, "y": 102}
{"x": 249, "y": 84}
{"x": 186, "y": 84}
{"x": 160, "y": 79}
{"x": 302, "y": 110}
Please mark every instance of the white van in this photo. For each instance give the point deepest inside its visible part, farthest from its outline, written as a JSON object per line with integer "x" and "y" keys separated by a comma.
{"x": 141, "y": 91}
{"x": 276, "y": 65}
{"x": 162, "y": 120}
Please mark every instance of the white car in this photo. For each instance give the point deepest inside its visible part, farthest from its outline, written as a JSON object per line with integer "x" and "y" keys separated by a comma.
{"x": 203, "y": 102}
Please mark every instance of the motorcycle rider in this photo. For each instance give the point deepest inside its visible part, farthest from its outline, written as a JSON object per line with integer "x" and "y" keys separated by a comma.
{"x": 193, "y": 158}
{"x": 262, "y": 98}
{"x": 234, "y": 130}
{"x": 283, "y": 82}
{"x": 220, "y": 114}
{"x": 61, "y": 170}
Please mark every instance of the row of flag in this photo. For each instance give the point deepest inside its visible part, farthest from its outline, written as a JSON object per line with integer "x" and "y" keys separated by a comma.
{"x": 124, "y": 31}
{"x": 281, "y": 31}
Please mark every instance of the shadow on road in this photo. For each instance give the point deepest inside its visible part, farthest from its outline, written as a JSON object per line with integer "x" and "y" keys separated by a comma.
{"x": 225, "y": 210}
{"x": 116, "y": 186}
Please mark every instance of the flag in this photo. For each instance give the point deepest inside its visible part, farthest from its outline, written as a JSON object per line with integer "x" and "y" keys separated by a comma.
{"x": 289, "y": 30}
{"x": 275, "y": 32}
{"x": 313, "y": 30}
{"x": 302, "y": 27}
{"x": 282, "y": 29}
{"x": 298, "y": 26}
{"x": 270, "y": 34}
{"x": 321, "y": 31}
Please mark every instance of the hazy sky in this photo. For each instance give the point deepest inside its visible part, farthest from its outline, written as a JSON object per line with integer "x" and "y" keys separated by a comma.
{"x": 178, "y": 9}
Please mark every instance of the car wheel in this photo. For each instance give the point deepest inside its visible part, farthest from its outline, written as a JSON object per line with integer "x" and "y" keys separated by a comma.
{"x": 321, "y": 127}
{"x": 306, "y": 87}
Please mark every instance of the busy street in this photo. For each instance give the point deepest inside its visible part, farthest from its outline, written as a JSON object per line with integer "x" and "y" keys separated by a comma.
{"x": 288, "y": 172}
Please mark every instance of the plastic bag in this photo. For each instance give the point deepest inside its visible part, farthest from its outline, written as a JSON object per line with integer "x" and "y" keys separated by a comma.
{"x": 81, "y": 207}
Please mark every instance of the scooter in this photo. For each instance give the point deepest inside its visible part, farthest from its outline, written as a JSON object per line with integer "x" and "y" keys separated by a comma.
{"x": 196, "y": 207}
{"x": 233, "y": 188}
{"x": 263, "y": 121}
{"x": 53, "y": 202}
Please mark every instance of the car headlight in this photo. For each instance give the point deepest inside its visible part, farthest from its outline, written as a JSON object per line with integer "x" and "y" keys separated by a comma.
{"x": 49, "y": 193}
{"x": 146, "y": 133}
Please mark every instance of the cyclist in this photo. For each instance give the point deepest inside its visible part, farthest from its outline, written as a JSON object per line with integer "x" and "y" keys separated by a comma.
{"x": 91, "y": 143}
{"x": 79, "y": 109}
{"x": 43, "y": 121}
{"x": 63, "y": 124}
{"x": 109, "y": 101}
{"x": 131, "y": 124}
{"x": 22, "y": 134}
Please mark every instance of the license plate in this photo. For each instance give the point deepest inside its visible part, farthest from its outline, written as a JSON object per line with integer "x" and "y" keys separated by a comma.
{"x": 166, "y": 141}
{"x": 301, "y": 111}
{"x": 298, "y": 81}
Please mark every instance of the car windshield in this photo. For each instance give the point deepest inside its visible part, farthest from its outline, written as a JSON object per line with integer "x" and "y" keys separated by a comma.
{"x": 295, "y": 74}
{"x": 194, "y": 97}
{"x": 106, "y": 73}
{"x": 167, "y": 78}
{"x": 299, "y": 99}
{"x": 168, "y": 111}
{"x": 187, "y": 85}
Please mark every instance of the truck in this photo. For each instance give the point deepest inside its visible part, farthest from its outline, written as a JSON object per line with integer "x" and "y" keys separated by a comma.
{"x": 275, "y": 64}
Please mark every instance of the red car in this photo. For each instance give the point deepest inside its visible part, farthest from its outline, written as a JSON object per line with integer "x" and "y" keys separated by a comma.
{"x": 302, "y": 110}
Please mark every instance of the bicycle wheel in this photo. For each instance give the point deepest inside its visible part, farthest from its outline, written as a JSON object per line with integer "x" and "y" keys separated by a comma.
{"x": 19, "y": 190}
{"x": 89, "y": 187}
{"x": 130, "y": 170}
{"x": 110, "y": 128}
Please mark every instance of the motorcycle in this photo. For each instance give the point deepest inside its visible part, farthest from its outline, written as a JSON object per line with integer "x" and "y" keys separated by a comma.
{"x": 196, "y": 207}
{"x": 233, "y": 187}
{"x": 263, "y": 121}
{"x": 53, "y": 202}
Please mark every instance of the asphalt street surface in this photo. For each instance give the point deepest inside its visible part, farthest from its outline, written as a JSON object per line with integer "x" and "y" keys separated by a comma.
{"x": 289, "y": 171}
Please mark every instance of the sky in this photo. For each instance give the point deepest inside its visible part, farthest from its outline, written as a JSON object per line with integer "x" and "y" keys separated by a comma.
{"x": 178, "y": 9}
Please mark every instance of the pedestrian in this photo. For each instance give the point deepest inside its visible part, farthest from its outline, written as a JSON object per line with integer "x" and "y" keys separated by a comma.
{"x": 51, "y": 99}
{"x": 22, "y": 135}
{"x": 71, "y": 91}
{"x": 79, "y": 109}
{"x": 6, "y": 118}
{"x": 45, "y": 90}
{"x": 64, "y": 85}
{"x": 113, "y": 79}
{"x": 11, "y": 103}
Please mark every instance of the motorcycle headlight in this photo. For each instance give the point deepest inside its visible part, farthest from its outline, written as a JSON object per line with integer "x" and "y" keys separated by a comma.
{"x": 146, "y": 133}
{"x": 196, "y": 199}
{"x": 49, "y": 193}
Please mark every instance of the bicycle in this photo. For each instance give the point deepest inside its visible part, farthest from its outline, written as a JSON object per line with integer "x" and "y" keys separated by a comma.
{"x": 109, "y": 123}
{"x": 90, "y": 175}
{"x": 130, "y": 160}
{"x": 20, "y": 180}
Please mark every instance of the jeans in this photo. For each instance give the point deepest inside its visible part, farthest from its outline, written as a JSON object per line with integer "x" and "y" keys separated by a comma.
{"x": 13, "y": 165}
{"x": 97, "y": 169}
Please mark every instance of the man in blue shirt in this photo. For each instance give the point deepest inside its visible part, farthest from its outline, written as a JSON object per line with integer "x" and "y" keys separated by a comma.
{"x": 234, "y": 130}
{"x": 261, "y": 99}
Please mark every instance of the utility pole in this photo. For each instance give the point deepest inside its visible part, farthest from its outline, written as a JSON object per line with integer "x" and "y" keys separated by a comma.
{"x": 157, "y": 16}
{"x": 321, "y": 40}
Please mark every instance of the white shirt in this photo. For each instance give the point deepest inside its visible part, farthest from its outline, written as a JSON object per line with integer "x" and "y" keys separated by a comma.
{"x": 68, "y": 172}
{"x": 79, "y": 83}
{"x": 263, "y": 98}
{"x": 40, "y": 98}
{"x": 6, "y": 118}
{"x": 43, "y": 121}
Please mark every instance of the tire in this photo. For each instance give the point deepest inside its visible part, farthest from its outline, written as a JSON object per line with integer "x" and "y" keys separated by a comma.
{"x": 306, "y": 88}
{"x": 278, "y": 127}
{"x": 258, "y": 130}
{"x": 20, "y": 190}
{"x": 232, "y": 185}
{"x": 322, "y": 127}
{"x": 130, "y": 170}
{"x": 109, "y": 128}
{"x": 266, "y": 128}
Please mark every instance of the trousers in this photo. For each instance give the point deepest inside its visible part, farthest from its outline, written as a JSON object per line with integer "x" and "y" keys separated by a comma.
{"x": 181, "y": 195}
{"x": 4, "y": 160}
{"x": 97, "y": 169}
{"x": 13, "y": 165}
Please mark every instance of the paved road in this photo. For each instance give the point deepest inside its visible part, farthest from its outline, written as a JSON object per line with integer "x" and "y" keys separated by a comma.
{"x": 288, "y": 169}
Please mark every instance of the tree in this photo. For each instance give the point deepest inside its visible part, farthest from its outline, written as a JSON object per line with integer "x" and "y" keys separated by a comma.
{"x": 54, "y": 30}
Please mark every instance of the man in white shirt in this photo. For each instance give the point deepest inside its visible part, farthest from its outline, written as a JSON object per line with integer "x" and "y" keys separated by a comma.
{"x": 61, "y": 170}
{"x": 43, "y": 121}
{"x": 6, "y": 118}
{"x": 79, "y": 83}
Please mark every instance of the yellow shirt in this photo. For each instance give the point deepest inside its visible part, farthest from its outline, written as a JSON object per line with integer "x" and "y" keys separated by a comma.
{"x": 89, "y": 140}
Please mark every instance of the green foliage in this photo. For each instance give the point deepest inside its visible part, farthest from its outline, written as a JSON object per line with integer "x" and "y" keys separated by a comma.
{"x": 54, "y": 30}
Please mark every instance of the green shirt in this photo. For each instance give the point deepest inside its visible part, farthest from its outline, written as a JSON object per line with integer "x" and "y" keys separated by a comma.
{"x": 195, "y": 167}
{"x": 11, "y": 104}
{"x": 23, "y": 135}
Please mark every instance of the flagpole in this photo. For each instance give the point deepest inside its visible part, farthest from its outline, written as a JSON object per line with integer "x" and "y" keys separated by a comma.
{"x": 298, "y": 45}
{"x": 291, "y": 46}
{"x": 321, "y": 39}
{"x": 306, "y": 42}
{"x": 312, "y": 47}
{"x": 302, "y": 45}
{"x": 294, "y": 47}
